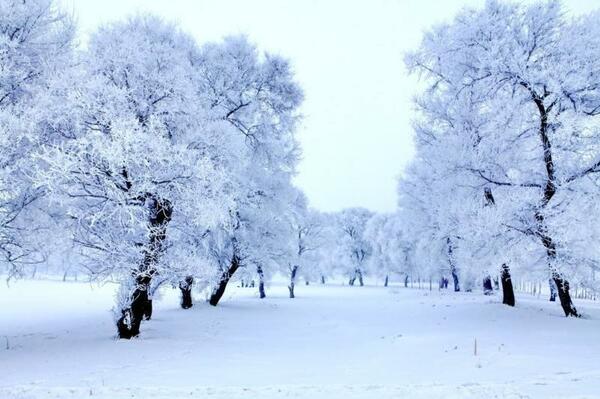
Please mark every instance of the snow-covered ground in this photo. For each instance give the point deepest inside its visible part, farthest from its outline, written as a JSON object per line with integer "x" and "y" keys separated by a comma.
{"x": 331, "y": 341}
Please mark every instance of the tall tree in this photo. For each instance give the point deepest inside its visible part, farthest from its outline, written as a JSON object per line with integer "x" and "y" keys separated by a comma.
{"x": 35, "y": 47}
{"x": 533, "y": 75}
{"x": 132, "y": 161}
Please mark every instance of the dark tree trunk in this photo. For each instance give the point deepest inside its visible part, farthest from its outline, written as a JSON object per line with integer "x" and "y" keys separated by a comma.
{"x": 151, "y": 292}
{"x": 360, "y": 277}
{"x": 553, "y": 292}
{"x": 352, "y": 279}
{"x": 562, "y": 285}
{"x": 443, "y": 283}
{"x": 488, "y": 289}
{"x": 455, "y": 280}
{"x": 508, "y": 293}
{"x": 322, "y": 279}
{"x": 307, "y": 282}
{"x": 128, "y": 325}
{"x": 386, "y": 281}
{"x": 261, "y": 282}
{"x": 293, "y": 273}
{"x": 148, "y": 309}
{"x": 406, "y": 281}
{"x": 186, "y": 292}
{"x": 219, "y": 290}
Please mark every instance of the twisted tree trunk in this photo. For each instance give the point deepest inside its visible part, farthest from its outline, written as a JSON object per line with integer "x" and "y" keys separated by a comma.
{"x": 128, "y": 325}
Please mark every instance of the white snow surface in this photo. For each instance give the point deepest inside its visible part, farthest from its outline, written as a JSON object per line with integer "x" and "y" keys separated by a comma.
{"x": 57, "y": 341}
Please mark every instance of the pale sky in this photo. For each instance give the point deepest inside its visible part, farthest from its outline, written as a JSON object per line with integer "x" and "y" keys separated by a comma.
{"x": 348, "y": 58}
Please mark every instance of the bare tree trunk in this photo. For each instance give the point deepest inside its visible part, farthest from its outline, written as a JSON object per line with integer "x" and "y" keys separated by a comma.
{"x": 360, "y": 277}
{"x": 153, "y": 287}
{"x": 352, "y": 279}
{"x": 261, "y": 282}
{"x": 386, "y": 281}
{"x": 219, "y": 290}
{"x": 562, "y": 285}
{"x": 455, "y": 280}
{"x": 128, "y": 325}
{"x": 186, "y": 292}
{"x": 293, "y": 273}
{"x": 553, "y": 292}
{"x": 508, "y": 294}
{"x": 322, "y": 279}
{"x": 488, "y": 289}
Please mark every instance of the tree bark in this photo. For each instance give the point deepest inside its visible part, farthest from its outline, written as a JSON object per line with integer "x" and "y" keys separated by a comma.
{"x": 455, "y": 281}
{"x": 186, "y": 292}
{"x": 148, "y": 309}
{"x": 293, "y": 273}
{"x": 386, "y": 281}
{"x": 352, "y": 279}
{"x": 128, "y": 325}
{"x": 322, "y": 279}
{"x": 508, "y": 293}
{"x": 562, "y": 285}
{"x": 261, "y": 282}
{"x": 219, "y": 290}
{"x": 360, "y": 277}
{"x": 488, "y": 289}
{"x": 553, "y": 292}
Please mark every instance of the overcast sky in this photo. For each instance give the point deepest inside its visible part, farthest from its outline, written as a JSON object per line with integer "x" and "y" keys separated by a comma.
{"x": 347, "y": 55}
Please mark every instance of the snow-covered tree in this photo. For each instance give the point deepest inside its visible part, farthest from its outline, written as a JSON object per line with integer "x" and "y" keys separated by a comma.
{"x": 354, "y": 247}
{"x": 307, "y": 238}
{"x": 254, "y": 95}
{"x": 132, "y": 168}
{"x": 389, "y": 247}
{"x": 511, "y": 104}
{"x": 35, "y": 46}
